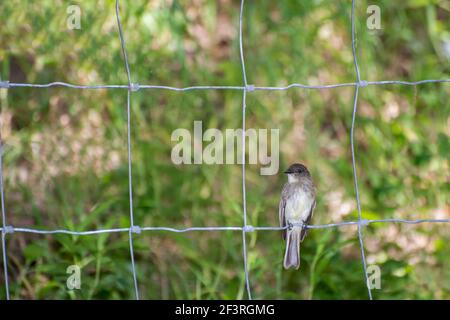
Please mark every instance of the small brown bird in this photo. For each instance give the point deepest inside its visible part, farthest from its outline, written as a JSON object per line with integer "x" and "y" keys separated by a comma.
{"x": 298, "y": 200}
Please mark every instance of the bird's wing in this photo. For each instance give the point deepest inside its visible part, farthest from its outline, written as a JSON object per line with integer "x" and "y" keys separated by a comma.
{"x": 281, "y": 215}
{"x": 307, "y": 221}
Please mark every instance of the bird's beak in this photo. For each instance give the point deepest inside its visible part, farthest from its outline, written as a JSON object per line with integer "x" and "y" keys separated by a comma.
{"x": 287, "y": 171}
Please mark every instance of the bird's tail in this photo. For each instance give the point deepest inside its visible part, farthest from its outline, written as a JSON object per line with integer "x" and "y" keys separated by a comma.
{"x": 292, "y": 254}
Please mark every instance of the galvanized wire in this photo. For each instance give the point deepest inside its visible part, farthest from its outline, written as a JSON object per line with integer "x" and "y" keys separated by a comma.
{"x": 245, "y": 228}
{"x": 7, "y": 85}
{"x": 244, "y": 192}
{"x": 4, "y": 222}
{"x": 130, "y": 174}
{"x": 352, "y": 146}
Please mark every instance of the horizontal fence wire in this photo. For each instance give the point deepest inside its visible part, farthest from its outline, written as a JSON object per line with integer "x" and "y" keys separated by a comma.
{"x": 246, "y": 228}
{"x": 6, "y": 84}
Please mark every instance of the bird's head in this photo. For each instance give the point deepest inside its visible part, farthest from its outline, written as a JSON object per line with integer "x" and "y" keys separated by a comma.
{"x": 297, "y": 171}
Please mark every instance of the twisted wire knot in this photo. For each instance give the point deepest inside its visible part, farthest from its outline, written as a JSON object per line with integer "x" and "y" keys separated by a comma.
{"x": 250, "y": 88}
{"x": 135, "y": 87}
{"x": 4, "y": 84}
{"x": 363, "y": 83}
{"x": 8, "y": 229}
{"x": 136, "y": 229}
{"x": 364, "y": 222}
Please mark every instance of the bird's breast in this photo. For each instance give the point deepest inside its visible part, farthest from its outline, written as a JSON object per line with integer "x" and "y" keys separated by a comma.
{"x": 298, "y": 205}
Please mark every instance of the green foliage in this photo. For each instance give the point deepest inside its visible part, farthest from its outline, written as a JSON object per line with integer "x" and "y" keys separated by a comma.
{"x": 66, "y": 159}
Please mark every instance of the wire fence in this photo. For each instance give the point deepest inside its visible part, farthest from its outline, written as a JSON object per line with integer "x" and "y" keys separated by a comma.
{"x": 245, "y": 228}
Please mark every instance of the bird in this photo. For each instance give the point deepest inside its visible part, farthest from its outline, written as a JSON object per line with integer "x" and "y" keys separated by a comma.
{"x": 297, "y": 204}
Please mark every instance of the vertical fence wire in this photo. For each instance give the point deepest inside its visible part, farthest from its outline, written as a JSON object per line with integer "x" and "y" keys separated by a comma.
{"x": 352, "y": 146}
{"x": 4, "y": 222}
{"x": 130, "y": 175}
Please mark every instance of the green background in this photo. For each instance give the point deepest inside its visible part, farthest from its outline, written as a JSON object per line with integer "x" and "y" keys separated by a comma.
{"x": 65, "y": 163}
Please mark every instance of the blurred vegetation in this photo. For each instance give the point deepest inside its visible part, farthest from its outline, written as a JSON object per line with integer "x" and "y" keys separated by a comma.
{"x": 66, "y": 167}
